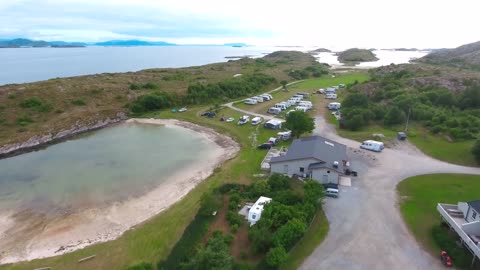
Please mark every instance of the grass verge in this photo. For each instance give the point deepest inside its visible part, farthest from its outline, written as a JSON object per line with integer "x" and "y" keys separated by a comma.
{"x": 419, "y": 197}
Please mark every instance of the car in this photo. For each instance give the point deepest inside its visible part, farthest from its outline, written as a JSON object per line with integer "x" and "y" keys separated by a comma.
{"x": 330, "y": 185}
{"x": 230, "y": 119}
{"x": 209, "y": 114}
{"x": 182, "y": 109}
{"x": 265, "y": 146}
{"x": 331, "y": 192}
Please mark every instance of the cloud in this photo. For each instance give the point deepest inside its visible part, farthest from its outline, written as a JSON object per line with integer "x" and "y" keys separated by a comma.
{"x": 327, "y": 23}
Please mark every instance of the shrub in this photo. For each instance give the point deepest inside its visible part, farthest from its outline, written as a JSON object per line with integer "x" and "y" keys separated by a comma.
{"x": 476, "y": 150}
{"x": 276, "y": 256}
{"x": 234, "y": 228}
{"x": 234, "y": 218}
{"x": 31, "y": 103}
{"x": 394, "y": 116}
{"x": 278, "y": 182}
{"x": 79, "y": 102}
{"x": 141, "y": 266}
{"x": 287, "y": 235}
{"x": 152, "y": 102}
{"x": 24, "y": 121}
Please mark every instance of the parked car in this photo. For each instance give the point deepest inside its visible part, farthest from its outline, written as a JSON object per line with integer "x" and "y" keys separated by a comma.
{"x": 243, "y": 120}
{"x": 331, "y": 192}
{"x": 209, "y": 114}
{"x": 230, "y": 119}
{"x": 256, "y": 120}
{"x": 182, "y": 109}
{"x": 264, "y": 146}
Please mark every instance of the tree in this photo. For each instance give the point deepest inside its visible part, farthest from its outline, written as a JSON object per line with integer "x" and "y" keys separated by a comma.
{"x": 260, "y": 236}
{"x": 394, "y": 116}
{"x": 287, "y": 235}
{"x": 215, "y": 256}
{"x": 276, "y": 256}
{"x": 278, "y": 182}
{"x": 284, "y": 85}
{"x": 476, "y": 150}
{"x": 313, "y": 192}
{"x": 208, "y": 204}
{"x": 355, "y": 100}
{"x": 299, "y": 122}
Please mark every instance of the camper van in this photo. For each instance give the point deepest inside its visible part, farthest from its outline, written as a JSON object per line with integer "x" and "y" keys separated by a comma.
{"x": 286, "y": 104}
{"x": 285, "y": 135}
{"x": 273, "y": 124}
{"x": 330, "y": 90}
{"x": 307, "y": 104}
{"x": 266, "y": 97}
{"x": 331, "y": 96}
{"x": 270, "y": 97}
{"x": 258, "y": 99}
{"x": 298, "y": 96}
{"x": 256, "y": 120}
{"x": 372, "y": 145}
{"x": 274, "y": 110}
{"x": 334, "y": 106}
{"x": 250, "y": 101}
{"x": 243, "y": 120}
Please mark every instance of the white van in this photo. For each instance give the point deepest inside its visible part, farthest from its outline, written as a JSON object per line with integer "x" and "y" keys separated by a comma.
{"x": 265, "y": 97}
{"x": 331, "y": 96}
{"x": 334, "y": 106}
{"x": 250, "y": 101}
{"x": 256, "y": 120}
{"x": 258, "y": 99}
{"x": 298, "y": 96}
{"x": 243, "y": 120}
{"x": 274, "y": 110}
{"x": 372, "y": 145}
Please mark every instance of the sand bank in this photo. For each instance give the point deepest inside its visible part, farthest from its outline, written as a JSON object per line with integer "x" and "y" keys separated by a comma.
{"x": 79, "y": 229}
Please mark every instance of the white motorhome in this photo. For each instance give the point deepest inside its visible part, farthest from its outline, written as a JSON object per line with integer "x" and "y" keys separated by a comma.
{"x": 372, "y": 145}
{"x": 334, "y": 105}
{"x": 250, "y": 101}
{"x": 285, "y": 135}
{"x": 307, "y": 104}
{"x": 331, "y": 96}
{"x": 258, "y": 99}
{"x": 243, "y": 120}
{"x": 273, "y": 124}
{"x": 281, "y": 106}
{"x": 274, "y": 110}
{"x": 266, "y": 97}
{"x": 286, "y": 103}
{"x": 298, "y": 96}
{"x": 330, "y": 90}
{"x": 256, "y": 120}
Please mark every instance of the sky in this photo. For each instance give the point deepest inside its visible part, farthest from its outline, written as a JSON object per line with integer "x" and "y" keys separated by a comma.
{"x": 333, "y": 24}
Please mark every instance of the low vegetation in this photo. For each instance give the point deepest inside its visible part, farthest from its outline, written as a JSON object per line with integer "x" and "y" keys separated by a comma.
{"x": 419, "y": 198}
{"x": 396, "y": 94}
{"x": 284, "y": 222}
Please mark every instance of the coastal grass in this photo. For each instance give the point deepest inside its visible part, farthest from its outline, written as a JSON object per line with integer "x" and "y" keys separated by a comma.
{"x": 314, "y": 235}
{"x": 153, "y": 240}
{"x": 419, "y": 196}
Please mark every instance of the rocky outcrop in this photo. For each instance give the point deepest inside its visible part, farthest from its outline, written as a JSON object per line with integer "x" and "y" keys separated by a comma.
{"x": 41, "y": 140}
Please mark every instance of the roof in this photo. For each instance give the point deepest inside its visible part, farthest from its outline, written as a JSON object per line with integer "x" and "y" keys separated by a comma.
{"x": 475, "y": 205}
{"x": 316, "y": 147}
{"x": 259, "y": 204}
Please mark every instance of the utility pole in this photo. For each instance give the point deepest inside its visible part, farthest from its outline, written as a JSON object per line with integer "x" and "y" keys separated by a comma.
{"x": 408, "y": 118}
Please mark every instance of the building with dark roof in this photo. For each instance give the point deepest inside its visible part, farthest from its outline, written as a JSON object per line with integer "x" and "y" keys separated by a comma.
{"x": 313, "y": 157}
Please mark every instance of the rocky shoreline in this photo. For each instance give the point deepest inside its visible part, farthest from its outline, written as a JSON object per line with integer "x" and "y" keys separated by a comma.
{"x": 41, "y": 141}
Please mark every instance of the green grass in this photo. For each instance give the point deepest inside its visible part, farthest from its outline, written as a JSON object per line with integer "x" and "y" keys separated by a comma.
{"x": 419, "y": 196}
{"x": 313, "y": 237}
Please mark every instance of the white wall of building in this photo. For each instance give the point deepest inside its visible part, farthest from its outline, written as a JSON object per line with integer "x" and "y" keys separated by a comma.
{"x": 292, "y": 167}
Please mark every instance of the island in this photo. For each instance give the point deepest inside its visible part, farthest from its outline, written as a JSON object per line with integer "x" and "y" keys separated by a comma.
{"x": 355, "y": 56}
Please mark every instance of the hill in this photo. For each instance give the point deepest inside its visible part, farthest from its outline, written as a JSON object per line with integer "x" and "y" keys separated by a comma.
{"x": 356, "y": 56}
{"x": 23, "y": 42}
{"x": 30, "y": 111}
{"x": 319, "y": 50}
{"x": 134, "y": 43}
{"x": 466, "y": 56}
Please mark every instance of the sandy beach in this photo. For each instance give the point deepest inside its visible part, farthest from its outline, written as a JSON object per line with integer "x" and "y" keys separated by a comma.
{"x": 77, "y": 230}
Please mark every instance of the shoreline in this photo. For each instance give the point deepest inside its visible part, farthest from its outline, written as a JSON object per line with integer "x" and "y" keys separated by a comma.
{"x": 87, "y": 227}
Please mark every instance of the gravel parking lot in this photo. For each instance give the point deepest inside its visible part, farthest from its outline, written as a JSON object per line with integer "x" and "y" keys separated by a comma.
{"x": 366, "y": 228}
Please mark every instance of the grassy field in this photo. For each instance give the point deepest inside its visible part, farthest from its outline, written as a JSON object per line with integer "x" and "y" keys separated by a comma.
{"x": 420, "y": 195}
{"x": 154, "y": 239}
{"x": 39, "y": 108}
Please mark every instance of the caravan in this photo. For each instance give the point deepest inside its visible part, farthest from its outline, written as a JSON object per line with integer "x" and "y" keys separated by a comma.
{"x": 334, "y": 106}
{"x": 307, "y": 104}
{"x": 281, "y": 106}
{"x": 301, "y": 108}
{"x": 273, "y": 124}
{"x": 243, "y": 120}
{"x": 274, "y": 110}
{"x": 258, "y": 99}
{"x": 250, "y": 101}
{"x": 331, "y": 96}
{"x": 372, "y": 145}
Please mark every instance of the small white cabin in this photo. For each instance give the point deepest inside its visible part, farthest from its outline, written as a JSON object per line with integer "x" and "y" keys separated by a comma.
{"x": 255, "y": 213}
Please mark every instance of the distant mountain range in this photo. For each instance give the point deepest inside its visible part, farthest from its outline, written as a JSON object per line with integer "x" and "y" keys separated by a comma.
{"x": 23, "y": 42}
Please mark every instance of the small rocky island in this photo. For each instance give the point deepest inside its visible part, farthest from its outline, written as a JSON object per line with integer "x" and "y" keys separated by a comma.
{"x": 355, "y": 56}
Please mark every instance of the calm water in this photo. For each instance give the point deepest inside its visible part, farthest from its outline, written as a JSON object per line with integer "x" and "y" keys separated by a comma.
{"x": 101, "y": 167}
{"x": 37, "y": 64}
{"x": 386, "y": 57}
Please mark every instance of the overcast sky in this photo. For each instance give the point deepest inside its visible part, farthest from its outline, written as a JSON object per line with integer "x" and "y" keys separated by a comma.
{"x": 333, "y": 23}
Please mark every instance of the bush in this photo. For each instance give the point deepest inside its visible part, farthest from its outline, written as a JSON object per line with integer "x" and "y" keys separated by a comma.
{"x": 79, "y": 102}
{"x": 141, "y": 266}
{"x": 355, "y": 122}
{"x": 152, "y": 102}
{"x": 234, "y": 218}
{"x": 476, "y": 150}
{"x": 209, "y": 203}
{"x": 31, "y": 103}
{"x": 276, "y": 256}
{"x": 394, "y": 116}
{"x": 24, "y": 121}
{"x": 278, "y": 182}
